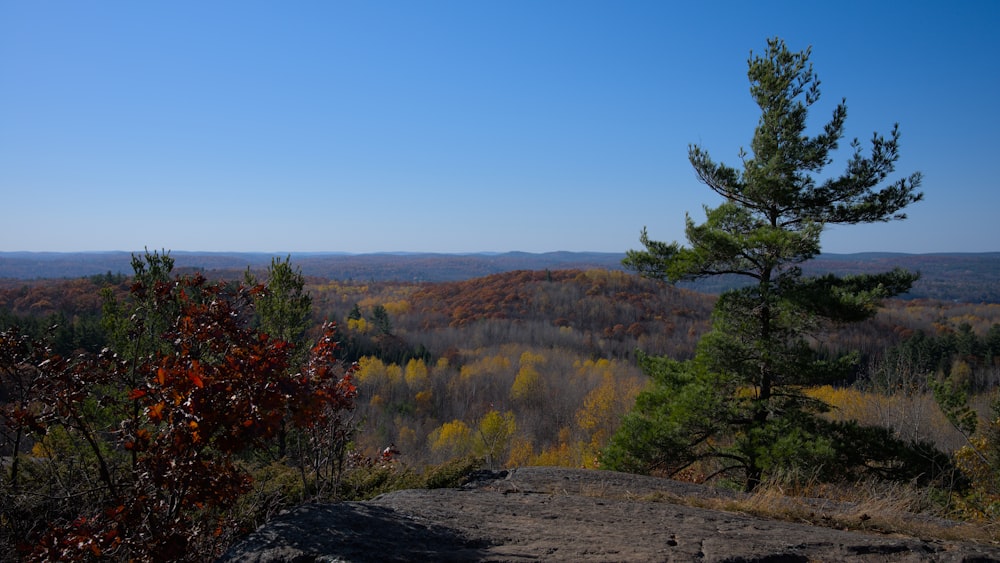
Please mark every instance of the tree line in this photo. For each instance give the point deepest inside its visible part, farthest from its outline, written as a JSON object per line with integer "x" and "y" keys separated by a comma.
{"x": 200, "y": 407}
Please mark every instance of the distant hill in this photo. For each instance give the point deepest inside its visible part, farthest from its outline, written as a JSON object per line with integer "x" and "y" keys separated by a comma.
{"x": 966, "y": 277}
{"x": 408, "y": 267}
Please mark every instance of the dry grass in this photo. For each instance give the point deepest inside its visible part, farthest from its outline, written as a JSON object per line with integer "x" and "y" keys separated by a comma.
{"x": 873, "y": 505}
{"x": 879, "y": 507}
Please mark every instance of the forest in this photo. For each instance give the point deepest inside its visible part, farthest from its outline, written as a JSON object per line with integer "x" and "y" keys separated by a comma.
{"x": 966, "y": 277}
{"x": 162, "y": 414}
{"x": 511, "y": 369}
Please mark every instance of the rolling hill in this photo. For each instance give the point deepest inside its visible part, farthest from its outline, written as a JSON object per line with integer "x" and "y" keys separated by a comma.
{"x": 963, "y": 277}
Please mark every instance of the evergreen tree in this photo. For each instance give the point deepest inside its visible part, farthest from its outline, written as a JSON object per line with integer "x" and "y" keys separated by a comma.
{"x": 134, "y": 326}
{"x": 284, "y": 307}
{"x": 739, "y": 401}
{"x": 355, "y": 313}
{"x": 380, "y": 318}
{"x": 283, "y": 311}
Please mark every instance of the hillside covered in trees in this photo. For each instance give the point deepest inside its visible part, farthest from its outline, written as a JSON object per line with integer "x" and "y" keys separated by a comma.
{"x": 526, "y": 367}
{"x": 965, "y": 277}
{"x": 542, "y": 345}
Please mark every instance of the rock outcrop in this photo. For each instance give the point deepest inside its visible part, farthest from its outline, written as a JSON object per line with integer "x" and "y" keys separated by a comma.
{"x": 550, "y": 514}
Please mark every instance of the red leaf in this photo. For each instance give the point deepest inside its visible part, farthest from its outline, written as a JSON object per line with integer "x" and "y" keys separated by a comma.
{"x": 193, "y": 374}
{"x": 156, "y": 412}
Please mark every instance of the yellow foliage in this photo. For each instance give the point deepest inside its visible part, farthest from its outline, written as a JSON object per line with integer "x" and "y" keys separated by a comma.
{"x": 370, "y": 370}
{"x": 977, "y": 461}
{"x": 559, "y": 455}
{"x": 397, "y": 307}
{"x": 590, "y": 454}
{"x": 394, "y": 373}
{"x": 496, "y": 426}
{"x": 495, "y": 432}
{"x": 564, "y": 434}
{"x": 361, "y": 326}
{"x": 566, "y": 453}
{"x": 592, "y": 367}
{"x": 971, "y": 462}
{"x": 866, "y": 408}
{"x": 911, "y": 416}
{"x": 597, "y": 405}
{"x": 417, "y": 375}
{"x": 602, "y": 409}
{"x": 529, "y": 358}
{"x": 341, "y": 290}
{"x": 848, "y": 403}
{"x": 487, "y": 365}
{"x": 468, "y": 371}
{"x": 453, "y": 437}
{"x": 521, "y": 452}
{"x": 424, "y": 400}
{"x": 527, "y": 384}
{"x": 39, "y": 450}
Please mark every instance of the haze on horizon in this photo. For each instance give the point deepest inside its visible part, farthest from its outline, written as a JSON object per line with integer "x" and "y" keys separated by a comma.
{"x": 460, "y": 127}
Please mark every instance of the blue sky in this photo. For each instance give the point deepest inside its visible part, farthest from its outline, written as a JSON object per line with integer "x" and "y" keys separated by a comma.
{"x": 461, "y": 126}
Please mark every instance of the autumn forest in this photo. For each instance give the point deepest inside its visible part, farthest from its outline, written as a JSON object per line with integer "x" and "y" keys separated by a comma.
{"x": 526, "y": 367}
{"x": 554, "y": 348}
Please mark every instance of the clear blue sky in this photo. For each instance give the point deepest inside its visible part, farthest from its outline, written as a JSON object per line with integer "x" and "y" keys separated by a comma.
{"x": 460, "y": 126}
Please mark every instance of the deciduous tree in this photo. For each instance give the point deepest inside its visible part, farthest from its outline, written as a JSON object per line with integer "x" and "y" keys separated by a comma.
{"x": 496, "y": 430}
{"x": 139, "y": 450}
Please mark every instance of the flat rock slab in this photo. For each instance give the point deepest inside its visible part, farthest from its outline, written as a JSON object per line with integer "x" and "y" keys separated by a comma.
{"x": 553, "y": 514}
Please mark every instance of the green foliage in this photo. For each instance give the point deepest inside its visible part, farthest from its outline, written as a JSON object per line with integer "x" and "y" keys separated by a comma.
{"x": 682, "y": 418}
{"x": 739, "y": 401}
{"x": 953, "y": 399}
{"x": 283, "y": 312}
{"x": 380, "y": 318}
{"x": 134, "y": 326}
{"x": 979, "y": 459}
{"x": 452, "y": 473}
{"x": 138, "y": 452}
{"x": 954, "y": 354}
{"x": 369, "y": 478}
{"x": 355, "y": 313}
{"x": 367, "y": 481}
{"x": 283, "y": 307}
{"x": 501, "y": 324}
{"x": 672, "y": 421}
{"x": 274, "y": 487}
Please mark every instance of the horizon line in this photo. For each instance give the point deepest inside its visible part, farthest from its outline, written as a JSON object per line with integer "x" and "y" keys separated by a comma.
{"x": 438, "y": 252}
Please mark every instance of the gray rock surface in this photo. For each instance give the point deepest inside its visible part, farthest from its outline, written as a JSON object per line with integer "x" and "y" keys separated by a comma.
{"x": 550, "y": 514}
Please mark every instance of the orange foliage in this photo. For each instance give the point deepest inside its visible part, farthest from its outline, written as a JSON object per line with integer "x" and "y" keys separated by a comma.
{"x": 215, "y": 389}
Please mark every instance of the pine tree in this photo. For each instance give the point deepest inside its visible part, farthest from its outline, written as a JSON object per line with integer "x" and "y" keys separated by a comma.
{"x": 739, "y": 401}
{"x": 284, "y": 308}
